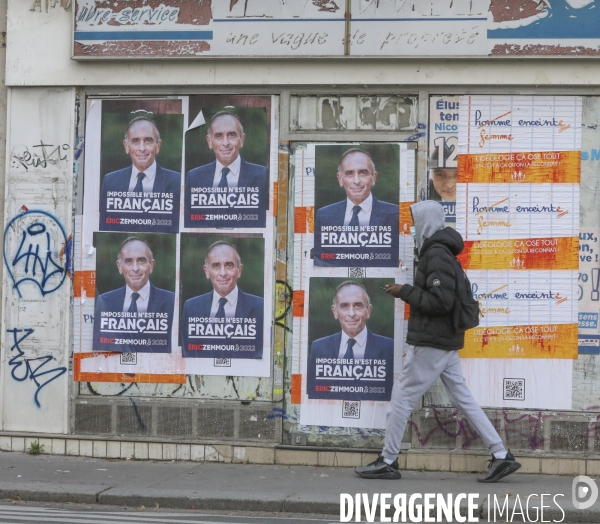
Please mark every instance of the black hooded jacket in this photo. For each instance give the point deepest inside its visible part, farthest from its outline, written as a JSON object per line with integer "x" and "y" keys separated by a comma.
{"x": 432, "y": 296}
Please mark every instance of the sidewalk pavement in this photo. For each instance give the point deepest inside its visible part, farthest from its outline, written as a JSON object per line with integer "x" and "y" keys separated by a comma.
{"x": 275, "y": 488}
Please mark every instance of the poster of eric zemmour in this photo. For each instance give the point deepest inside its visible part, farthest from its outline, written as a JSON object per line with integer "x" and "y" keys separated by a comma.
{"x": 222, "y": 295}
{"x": 356, "y": 202}
{"x": 227, "y": 175}
{"x": 351, "y": 339}
{"x": 140, "y": 171}
{"x": 135, "y": 292}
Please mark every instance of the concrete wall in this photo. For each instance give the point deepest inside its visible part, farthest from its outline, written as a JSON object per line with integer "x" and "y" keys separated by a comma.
{"x": 3, "y": 101}
{"x": 45, "y": 92}
{"x": 36, "y": 291}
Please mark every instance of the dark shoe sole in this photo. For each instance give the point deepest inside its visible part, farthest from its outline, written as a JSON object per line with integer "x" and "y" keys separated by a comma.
{"x": 388, "y": 475}
{"x": 501, "y": 474}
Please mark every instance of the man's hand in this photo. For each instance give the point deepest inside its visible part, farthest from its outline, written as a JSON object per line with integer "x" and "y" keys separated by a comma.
{"x": 393, "y": 289}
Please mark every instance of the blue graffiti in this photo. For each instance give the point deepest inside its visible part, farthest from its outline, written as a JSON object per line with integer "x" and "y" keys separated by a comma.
{"x": 277, "y": 413}
{"x": 79, "y": 148}
{"x": 415, "y": 137}
{"x": 140, "y": 422}
{"x": 67, "y": 252}
{"x": 31, "y": 368}
{"x": 34, "y": 260}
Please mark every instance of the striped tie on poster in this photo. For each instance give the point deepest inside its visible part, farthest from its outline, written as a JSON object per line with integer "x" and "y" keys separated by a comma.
{"x": 518, "y": 210}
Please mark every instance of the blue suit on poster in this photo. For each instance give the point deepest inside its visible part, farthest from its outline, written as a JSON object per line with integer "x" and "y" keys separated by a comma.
{"x": 160, "y": 301}
{"x": 165, "y": 182}
{"x": 248, "y": 307}
{"x": 382, "y": 214}
{"x": 252, "y": 176}
{"x": 377, "y": 349}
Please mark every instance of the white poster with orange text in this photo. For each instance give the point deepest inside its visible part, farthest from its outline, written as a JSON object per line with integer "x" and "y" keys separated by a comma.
{"x": 519, "y": 168}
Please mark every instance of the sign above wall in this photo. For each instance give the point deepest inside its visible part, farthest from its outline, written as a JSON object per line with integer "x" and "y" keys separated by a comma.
{"x": 207, "y": 28}
{"x": 123, "y": 29}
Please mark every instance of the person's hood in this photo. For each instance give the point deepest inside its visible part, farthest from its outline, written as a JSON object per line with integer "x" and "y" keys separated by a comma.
{"x": 429, "y": 220}
{"x": 428, "y": 217}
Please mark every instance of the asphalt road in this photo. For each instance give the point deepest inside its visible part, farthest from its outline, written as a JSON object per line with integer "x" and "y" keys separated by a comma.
{"x": 80, "y": 514}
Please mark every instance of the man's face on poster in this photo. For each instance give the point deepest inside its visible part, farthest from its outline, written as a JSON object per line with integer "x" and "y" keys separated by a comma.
{"x": 444, "y": 182}
{"x": 142, "y": 144}
{"x": 135, "y": 263}
{"x": 226, "y": 138}
{"x": 357, "y": 176}
{"x": 352, "y": 309}
{"x": 223, "y": 269}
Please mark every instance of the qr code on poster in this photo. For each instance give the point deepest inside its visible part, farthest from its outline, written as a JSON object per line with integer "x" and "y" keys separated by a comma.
{"x": 129, "y": 359}
{"x": 351, "y": 409}
{"x": 514, "y": 389}
{"x": 357, "y": 272}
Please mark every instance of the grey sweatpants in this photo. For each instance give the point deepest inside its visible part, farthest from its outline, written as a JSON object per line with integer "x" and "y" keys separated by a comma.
{"x": 421, "y": 366}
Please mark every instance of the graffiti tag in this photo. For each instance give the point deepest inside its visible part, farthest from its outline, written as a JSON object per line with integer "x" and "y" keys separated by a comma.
{"x": 41, "y": 156}
{"x": 35, "y": 260}
{"x": 34, "y": 369}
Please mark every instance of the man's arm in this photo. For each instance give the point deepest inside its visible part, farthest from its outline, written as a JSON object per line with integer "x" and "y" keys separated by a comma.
{"x": 260, "y": 176}
{"x": 173, "y": 182}
{"x": 317, "y": 224}
{"x": 169, "y": 302}
{"x": 183, "y": 325}
{"x": 102, "y": 202}
{"x": 437, "y": 298}
{"x": 316, "y": 349}
{"x": 98, "y": 309}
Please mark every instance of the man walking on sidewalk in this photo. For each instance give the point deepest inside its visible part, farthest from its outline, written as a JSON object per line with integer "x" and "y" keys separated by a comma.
{"x": 432, "y": 300}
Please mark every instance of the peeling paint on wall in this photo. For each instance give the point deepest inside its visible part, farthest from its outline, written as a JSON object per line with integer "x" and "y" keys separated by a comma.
{"x": 44, "y": 5}
{"x": 510, "y": 10}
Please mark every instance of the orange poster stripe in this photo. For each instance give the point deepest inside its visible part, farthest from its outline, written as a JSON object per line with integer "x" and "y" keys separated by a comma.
{"x": 406, "y": 311}
{"x": 534, "y": 341}
{"x": 296, "y": 389}
{"x": 310, "y": 219}
{"x": 527, "y": 253}
{"x": 304, "y": 220}
{"x": 405, "y": 218}
{"x": 147, "y": 378}
{"x": 300, "y": 220}
{"x": 84, "y": 280}
{"x": 298, "y": 303}
{"x": 527, "y": 168}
